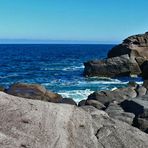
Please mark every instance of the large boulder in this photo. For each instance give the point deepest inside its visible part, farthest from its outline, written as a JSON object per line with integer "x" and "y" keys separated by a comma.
{"x": 112, "y": 67}
{"x": 134, "y": 46}
{"x": 27, "y": 123}
{"x": 33, "y": 91}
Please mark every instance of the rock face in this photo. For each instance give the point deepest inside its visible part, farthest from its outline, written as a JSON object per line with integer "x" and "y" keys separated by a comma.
{"x": 27, "y": 123}
{"x": 33, "y": 91}
{"x": 126, "y": 59}
{"x": 136, "y": 45}
{"x": 112, "y": 67}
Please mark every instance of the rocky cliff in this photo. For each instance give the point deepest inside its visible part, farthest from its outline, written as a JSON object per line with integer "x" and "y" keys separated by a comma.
{"x": 134, "y": 48}
{"x": 136, "y": 45}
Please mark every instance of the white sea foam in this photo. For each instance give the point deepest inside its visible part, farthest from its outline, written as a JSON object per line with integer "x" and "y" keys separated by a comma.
{"x": 77, "y": 95}
{"x": 73, "y": 68}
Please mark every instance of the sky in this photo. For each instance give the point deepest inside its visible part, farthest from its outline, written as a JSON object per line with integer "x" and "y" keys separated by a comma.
{"x": 71, "y": 21}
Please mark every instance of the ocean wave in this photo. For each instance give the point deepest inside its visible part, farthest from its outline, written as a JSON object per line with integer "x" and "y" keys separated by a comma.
{"x": 77, "y": 95}
{"x": 63, "y": 68}
{"x": 73, "y": 68}
{"x": 8, "y": 76}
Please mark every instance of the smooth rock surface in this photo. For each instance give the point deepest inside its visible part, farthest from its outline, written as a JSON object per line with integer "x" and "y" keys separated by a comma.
{"x": 27, "y": 123}
{"x": 33, "y": 91}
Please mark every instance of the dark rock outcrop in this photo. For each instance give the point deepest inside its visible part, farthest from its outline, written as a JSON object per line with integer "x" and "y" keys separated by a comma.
{"x": 33, "y": 91}
{"x": 127, "y": 59}
{"x": 145, "y": 84}
{"x": 81, "y": 103}
{"x": 68, "y": 101}
{"x": 134, "y": 46}
{"x": 112, "y": 67}
{"x": 145, "y": 70}
{"x": 115, "y": 111}
{"x": 118, "y": 95}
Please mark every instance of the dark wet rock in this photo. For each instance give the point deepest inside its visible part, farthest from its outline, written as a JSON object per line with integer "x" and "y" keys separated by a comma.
{"x": 81, "y": 103}
{"x": 112, "y": 67}
{"x": 95, "y": 104}
{"x": 35, "y": 123}
{"x": 145, "y": 84}
{"x": 116, "y": 112}
{"x": 132, "y": 84}
{"x": 141, "y": 91}
{"x": 68, "y": 101}
{"x": 33, "y": 91}
{"x": 105, "y": 97}
{"x": 145, "y": 70}
{"x": 137, "y": 106}
{"x": 143, "y": 124}
{"x": 134, "y": 46}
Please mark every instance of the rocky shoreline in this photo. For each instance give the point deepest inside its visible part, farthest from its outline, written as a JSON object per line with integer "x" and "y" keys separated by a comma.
{"x": 32, "y": 116}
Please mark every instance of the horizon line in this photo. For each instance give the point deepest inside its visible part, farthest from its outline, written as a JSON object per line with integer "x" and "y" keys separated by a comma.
{"x": 41, "y": 41}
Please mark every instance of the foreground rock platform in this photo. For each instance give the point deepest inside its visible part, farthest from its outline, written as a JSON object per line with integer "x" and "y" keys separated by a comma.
{"x": 27, "y": 123}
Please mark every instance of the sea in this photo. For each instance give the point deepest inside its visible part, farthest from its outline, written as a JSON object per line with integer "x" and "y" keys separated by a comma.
{"x": 58, "y": 67}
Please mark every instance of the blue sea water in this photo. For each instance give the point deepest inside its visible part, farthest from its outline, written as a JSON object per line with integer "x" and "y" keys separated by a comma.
{"x": 58, "y": 67}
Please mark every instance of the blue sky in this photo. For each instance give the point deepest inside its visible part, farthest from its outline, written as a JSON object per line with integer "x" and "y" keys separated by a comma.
{"x": 84, "y": 21}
